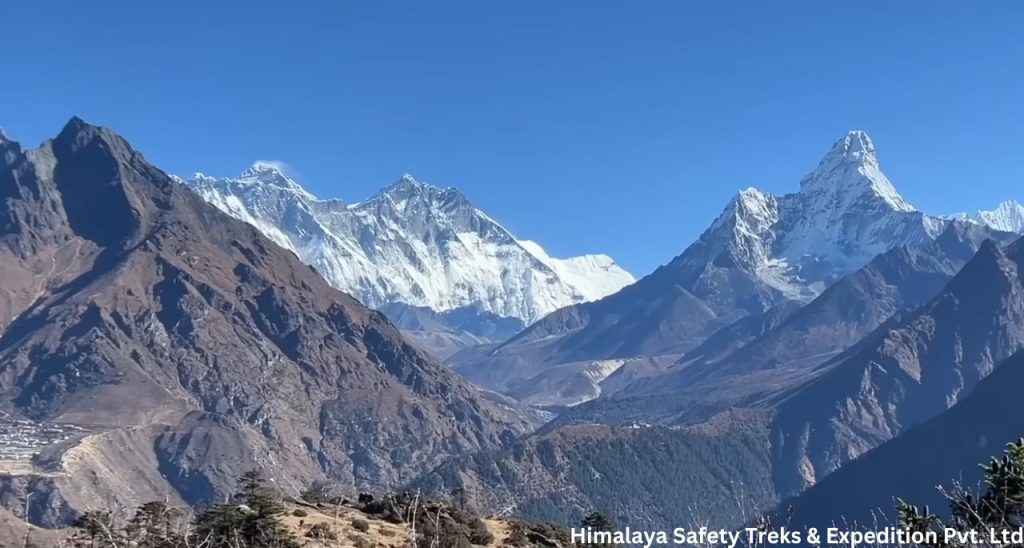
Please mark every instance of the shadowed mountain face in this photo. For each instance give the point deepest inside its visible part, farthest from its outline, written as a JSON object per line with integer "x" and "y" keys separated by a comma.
{"x": 906, "y": 372}
{"x": 895, "y": 281}
{"x": 193, "y": 348}
{"x": 942, "y": 451}
{"x": 912, "y": 367}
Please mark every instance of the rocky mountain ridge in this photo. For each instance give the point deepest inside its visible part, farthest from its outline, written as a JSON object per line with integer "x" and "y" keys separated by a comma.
{"x": 192, "y": 348}
{"x": 763, "y": 251}
{"x": 415, "y": 244}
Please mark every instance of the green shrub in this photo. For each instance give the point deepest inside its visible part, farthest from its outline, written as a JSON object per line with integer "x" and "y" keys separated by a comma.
{"x": 478, "y": 532}
{"x": 321, "y": 531}
{"x": 360, "y": 524}
{"x": 999, "y": 509}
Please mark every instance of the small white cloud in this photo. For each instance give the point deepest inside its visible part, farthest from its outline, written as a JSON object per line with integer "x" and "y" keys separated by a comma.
{"x": 279, "y": 165}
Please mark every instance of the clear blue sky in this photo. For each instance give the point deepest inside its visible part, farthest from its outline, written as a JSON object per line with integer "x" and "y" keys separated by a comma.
{"x": 589, "y": 126}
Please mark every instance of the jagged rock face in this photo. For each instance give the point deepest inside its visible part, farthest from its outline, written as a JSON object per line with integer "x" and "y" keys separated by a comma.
{"x": 131, "y": 305}
{"x": 906, "y": 372}
{"x": 761, "y": 252}
{"x": 415, "y": 244}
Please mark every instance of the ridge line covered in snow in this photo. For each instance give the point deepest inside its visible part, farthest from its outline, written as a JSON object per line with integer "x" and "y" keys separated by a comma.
{"x": 412, "y": 243}
{"x": 1008, "y": 216}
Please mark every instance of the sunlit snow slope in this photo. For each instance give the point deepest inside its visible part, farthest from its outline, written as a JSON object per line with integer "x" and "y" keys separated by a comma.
{"x": 412, "y": 243}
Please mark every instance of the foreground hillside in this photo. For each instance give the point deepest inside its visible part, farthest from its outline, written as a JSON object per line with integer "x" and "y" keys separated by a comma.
{"x": 258, "y": 516}
{"x": 184, "y": 347}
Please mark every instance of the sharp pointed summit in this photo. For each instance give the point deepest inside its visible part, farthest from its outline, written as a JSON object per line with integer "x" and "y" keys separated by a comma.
{"x": 74, "y": 124}
{"x": 77, "y": 131}
{"x": 855, "y": 146}
{"x": 407, "y": 184}
{"x": 845, "y": 213}
{"x": 261, "y": 168}
{"x": 272, "y": 173}
{"x": 849, "y": 176}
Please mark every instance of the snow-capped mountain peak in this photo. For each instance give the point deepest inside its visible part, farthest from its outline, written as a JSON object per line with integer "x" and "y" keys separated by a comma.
{"x": 845, "y": 212}
{"x": 751, "y": 217}
{"x": 409, "y": 191}
{"x": 1007, "y": 216}
{"x": 855, "y": 146}
{"x": 406, "y": 184}
{"x": 413, "y": 243}
{"x": 755, "y": 206}
{"x": 271, "y": 173}
{"x": 849, "y": 175}
{"x": 260, "y": 168}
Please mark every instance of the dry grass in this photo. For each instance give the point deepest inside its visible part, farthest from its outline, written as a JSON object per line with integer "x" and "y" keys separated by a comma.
{"x": 501, "y": 530}
{"x": 339, "y": 527}
{"x": 380, "y": 533}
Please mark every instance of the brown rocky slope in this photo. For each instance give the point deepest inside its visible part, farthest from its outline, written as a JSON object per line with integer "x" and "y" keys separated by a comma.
{"x": 192, "y": 348}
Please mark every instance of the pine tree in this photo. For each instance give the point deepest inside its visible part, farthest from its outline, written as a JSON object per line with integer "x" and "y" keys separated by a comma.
{"x": 999, "y": 508}
{"x": 596, "y": 521}
{"x": 262, "y": 527}
{"x": 97, "y": 530}
{"x": 252, "y": 522}
{"x": 156, "y": 525}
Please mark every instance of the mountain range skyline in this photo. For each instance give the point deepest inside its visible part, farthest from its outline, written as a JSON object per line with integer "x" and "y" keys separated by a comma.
{"x": 172, "y": 328}
{"x": 602, "y": 102}
{"x": 413, "y": 243}
{"x": 1005, "y": 214}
